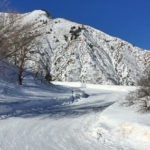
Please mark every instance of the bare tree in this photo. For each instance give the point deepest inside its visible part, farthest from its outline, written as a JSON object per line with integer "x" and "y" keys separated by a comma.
{"x": 12, "y": 34}
{"x": 7, "y": 28}
{"x": 21, "y": 51}
{"x": 16, "y": 40}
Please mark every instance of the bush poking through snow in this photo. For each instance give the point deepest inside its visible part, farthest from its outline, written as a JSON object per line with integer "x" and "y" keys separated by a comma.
{"x": 138, "y": 98}
{"x": 141, "y": 97}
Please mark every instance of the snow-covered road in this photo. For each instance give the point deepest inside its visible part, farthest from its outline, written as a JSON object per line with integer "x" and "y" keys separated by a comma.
{"x": 63, "y": 120}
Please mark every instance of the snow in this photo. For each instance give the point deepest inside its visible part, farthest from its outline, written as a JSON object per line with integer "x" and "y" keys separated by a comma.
{"x": 125, "y": 126}
{"x": 74, "y": 115}
{"x": 73, "y": 52}
{"x": 148, "y": 101}
{"x": 36, "y": 15}
{"x": 69, "y": 116}
{"x": 97, "y": 86}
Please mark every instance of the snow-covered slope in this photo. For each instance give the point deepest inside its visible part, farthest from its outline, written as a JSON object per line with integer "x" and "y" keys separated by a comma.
{"x": 36, "y": 116}
{"x": 40, "y": 115}
{"x": 73, "y": 52}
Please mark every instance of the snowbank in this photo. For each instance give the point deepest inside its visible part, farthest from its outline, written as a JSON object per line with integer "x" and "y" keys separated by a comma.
{"x": 120, "y": 125}
{"x": 96, "y": 86}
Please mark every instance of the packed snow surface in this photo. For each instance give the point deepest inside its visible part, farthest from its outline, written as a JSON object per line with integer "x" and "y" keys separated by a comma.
{"x": 36, "y": 116}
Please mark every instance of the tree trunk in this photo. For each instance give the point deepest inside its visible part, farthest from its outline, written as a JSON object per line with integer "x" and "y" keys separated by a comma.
{"x": 20, "y": 77}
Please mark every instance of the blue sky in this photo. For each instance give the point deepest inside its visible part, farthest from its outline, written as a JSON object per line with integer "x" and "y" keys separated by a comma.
{"x": 126, "y": 19}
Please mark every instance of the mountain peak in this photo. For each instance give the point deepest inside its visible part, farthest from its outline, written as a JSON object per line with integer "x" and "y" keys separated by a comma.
{"x": 41, "y": 12}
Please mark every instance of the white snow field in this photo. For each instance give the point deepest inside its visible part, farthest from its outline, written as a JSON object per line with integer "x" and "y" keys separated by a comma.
{"x": 70, "y": 116}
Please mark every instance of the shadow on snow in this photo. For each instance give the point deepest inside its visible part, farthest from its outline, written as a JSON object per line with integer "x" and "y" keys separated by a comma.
{"x": 46, "y": 105}
{"x": 51, "y": 108}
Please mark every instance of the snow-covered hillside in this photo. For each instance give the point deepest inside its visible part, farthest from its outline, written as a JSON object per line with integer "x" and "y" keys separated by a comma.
{"x": 69, "y": 51}
{"x": 73, "y": 52}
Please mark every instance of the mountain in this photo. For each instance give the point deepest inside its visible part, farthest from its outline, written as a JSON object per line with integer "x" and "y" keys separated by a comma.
{"x": 70, "y": 51}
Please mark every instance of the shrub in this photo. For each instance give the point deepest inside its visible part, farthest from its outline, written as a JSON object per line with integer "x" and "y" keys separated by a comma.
{"x": 66, "y": 38}
{"x": 75, "y": 33}
{"x": 141, "y": 96}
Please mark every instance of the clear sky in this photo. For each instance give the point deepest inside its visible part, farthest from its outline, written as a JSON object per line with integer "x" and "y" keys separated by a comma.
{"x": 126, "y": 19}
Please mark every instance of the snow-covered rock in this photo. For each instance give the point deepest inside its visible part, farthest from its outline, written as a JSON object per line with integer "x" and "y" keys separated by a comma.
{"x": 148, "y": 102}
{"x": 74, "y": 52}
